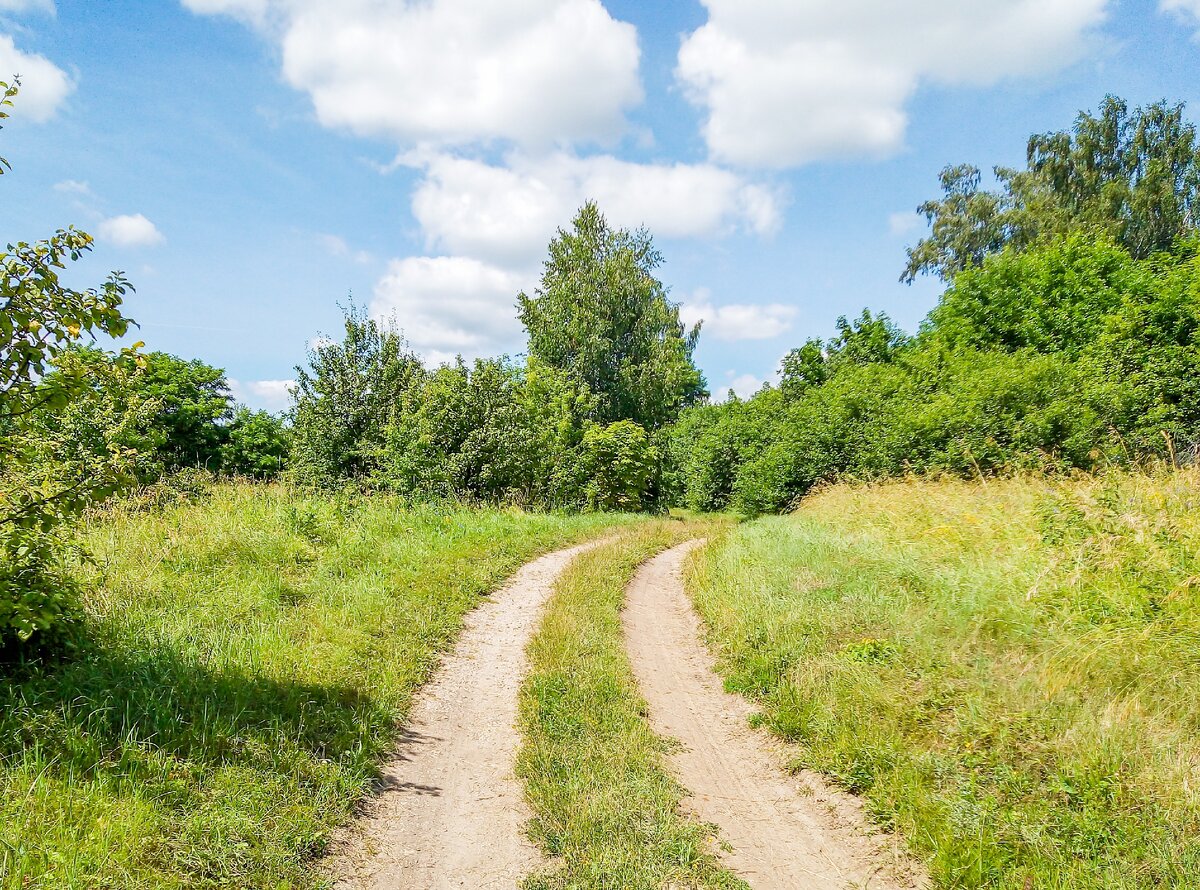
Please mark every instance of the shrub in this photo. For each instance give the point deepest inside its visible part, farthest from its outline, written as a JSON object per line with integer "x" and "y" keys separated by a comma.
{"x": 618, "y": 464}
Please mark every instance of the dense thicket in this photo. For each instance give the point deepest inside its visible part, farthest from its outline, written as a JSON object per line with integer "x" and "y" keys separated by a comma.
{"x": 574, "y": 426}
{"x": 1073, "y": 354}
{"x": 1068, "y": 336}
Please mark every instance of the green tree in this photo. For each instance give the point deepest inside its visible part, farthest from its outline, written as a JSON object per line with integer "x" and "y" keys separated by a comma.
{"x": 869, "y": 338}
{"x": 256, "y": 445}
{"x": 619, "y": 463}
{"x": 1133, "y": 176}
{"x": 188, "y": 426}
{"x": 600, "y": 315}
{"x": 345, "y": 400}
{"x": 194, "y": 407}
{"x": 493, "y": 432}
{"x": 41, "y": 319}
{"x": 803, "y": 367}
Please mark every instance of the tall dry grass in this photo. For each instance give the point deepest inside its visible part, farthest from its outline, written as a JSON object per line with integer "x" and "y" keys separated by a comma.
{"x": 1009, "y": 671}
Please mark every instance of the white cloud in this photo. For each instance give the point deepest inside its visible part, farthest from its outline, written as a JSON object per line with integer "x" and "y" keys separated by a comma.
{"x": 745, "y": 385}
{"x": 785, "y": 82}
{"x": 508, "y": 214}
{"x": 336, "y": 246}
{"x": 44, "y": 85}
{"x": 736, "y": 321}
{"x": 455, "y": 72}
{"x": 904, "y": 222}
{"x": 253, "y": 12}
{"x": 270, "y": 395}
{"x": 74, "y": 187}
{"x": 451, "y": 304}
{"x": 46, "y": 6}
{"x": 1188, "y": 11}
{"x": 130, "y": 230}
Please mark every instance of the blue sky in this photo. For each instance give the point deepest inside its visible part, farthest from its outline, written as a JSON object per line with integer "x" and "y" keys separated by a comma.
{"x": 251, "y": 164}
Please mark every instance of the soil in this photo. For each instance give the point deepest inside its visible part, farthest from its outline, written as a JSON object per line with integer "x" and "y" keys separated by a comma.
{"x": 776, "y": 829}
{"x": 450, "y": 812}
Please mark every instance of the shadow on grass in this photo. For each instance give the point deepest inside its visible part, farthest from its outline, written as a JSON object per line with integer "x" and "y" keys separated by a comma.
{"x": 102, "y": 704}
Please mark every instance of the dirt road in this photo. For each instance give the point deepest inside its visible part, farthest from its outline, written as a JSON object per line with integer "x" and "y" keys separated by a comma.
{"x": 451, "y": 812}
{"x": 785, "y": 831}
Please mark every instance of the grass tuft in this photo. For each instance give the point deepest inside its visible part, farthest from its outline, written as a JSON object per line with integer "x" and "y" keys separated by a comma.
{"x": 1008, "y": 673}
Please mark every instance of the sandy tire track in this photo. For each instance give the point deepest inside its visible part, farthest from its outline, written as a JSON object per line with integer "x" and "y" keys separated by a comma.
{"x": 785, "y": 831}
{"x": 450, "y": 812}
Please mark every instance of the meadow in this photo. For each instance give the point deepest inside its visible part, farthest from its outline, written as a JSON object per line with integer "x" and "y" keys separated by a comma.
{"x": 1005, "y": 669}
{"x": 249, "y": 658}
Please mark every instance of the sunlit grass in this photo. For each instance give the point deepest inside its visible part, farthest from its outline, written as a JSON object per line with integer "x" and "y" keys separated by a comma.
{"x": 604, "y": 804}
{"x": 1009, "y": 672}
{"x": 251, "y": 655}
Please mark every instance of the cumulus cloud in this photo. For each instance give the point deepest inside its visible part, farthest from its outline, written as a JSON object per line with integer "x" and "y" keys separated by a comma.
{"x": 507, "y": 214}
{"x": 336, "y": 246}
{"x": 785, "y": 82}
{"x": 44, "y": 85}
{"x": 252, "y": 11}
{"x": 904, "y": 222}
{"x": 451, "y": 304}
{"x": 455, "y": 71}
{"x": 745, "y": 385}
{"x": 737, "y": 321}
{"x": 130, "y": 230}
{"x": 270, "y": 395}
{"x": 74, "y": 187}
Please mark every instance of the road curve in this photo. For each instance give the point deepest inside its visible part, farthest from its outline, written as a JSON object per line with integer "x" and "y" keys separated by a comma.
{"x": 783, "y": 831}
{"x": 451, "y": 813}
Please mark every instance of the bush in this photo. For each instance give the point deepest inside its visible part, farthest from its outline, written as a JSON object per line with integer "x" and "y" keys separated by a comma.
{"x": 618, "y": 464}
{"x": 38, "y": 597}
{"x": 1070, "y": 355}
{"x": 256, "y": 445}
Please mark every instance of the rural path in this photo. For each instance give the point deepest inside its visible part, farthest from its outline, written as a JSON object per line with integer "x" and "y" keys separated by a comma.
{"x": 783, "y": 831}
{"x": 451, "y": 813}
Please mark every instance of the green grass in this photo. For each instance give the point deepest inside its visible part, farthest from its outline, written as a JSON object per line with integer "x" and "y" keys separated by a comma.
{"x": 250, "y": 657}
{"x": 603, "y": 803}
{"x": 1010, "y": 672}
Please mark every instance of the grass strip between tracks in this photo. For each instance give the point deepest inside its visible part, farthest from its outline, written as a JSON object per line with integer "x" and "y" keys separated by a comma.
{"x": 604, "y": 805}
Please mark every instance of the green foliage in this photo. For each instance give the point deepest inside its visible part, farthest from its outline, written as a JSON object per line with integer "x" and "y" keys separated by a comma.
{"x": 600, "y": 315}
{"x": 1072, "y": 354}
{"x": 184, "y": 408}
{"x": 490, "y": 432}
{"x": 1131, "y": 176}
{"x": 38, "y": 597}
{"x": 345, "y": 398}
{"x": 572, "y": 427}
{"x": 194, "y": 406}
{"x": 618, "y": 464}
{"x": 256, "y": 445}
{"x": 40, "y": 320}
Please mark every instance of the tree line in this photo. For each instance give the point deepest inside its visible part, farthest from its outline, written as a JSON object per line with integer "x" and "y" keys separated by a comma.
{"x": 1068, "y": 337}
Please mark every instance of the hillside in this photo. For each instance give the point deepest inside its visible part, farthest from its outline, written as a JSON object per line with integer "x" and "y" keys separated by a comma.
{"x": 1006, "y": 670}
